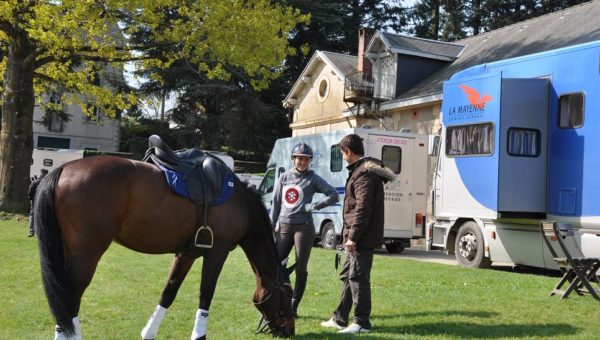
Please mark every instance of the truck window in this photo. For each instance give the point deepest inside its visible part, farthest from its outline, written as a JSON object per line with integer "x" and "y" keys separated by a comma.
{"x": 335, "y": 164}
{"x": 268, "y": 182}
{"x": 467, "y": 140}
{"x": 523, "y": 142}
{"x": 570, "y": 114}
{"x": 392, "y": 158}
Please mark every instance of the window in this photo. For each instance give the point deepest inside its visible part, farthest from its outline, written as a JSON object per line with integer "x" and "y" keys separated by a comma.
{"x": 56, "y": 125}
{"x": 570, "y": 112}
{"x": 392, "y": 158}
{"x": 465, "y": 140}
{"x": 53, "y": 142}
{"x": 523, "y": 142}
{"x": 335, "y": 165}
{"x": 267, "y": 184}
{"x": 323, "y": 89}
{"x": 55, "y": 113}
{"x": 95, "y": 114}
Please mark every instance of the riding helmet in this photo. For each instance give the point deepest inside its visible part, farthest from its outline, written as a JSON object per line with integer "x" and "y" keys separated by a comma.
{"x": 302, "y": 149}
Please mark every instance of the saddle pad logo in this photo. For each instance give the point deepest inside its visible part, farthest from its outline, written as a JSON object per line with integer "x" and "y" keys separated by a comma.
{"x": 292, "y": 194}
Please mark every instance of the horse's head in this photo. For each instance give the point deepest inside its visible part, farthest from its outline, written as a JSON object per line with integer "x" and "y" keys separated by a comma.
{"x": 275, "y": 306}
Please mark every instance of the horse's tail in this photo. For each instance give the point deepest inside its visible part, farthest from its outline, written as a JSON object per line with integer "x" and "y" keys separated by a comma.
{"x": 50, "y": 243}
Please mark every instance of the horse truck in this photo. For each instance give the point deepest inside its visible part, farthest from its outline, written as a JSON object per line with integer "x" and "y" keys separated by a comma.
{"x": 407, "y": 154}
{"x": 519, "y": 144}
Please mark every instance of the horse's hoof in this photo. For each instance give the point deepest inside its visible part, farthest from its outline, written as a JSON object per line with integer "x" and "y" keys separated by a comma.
{"x": 201, "y": 338}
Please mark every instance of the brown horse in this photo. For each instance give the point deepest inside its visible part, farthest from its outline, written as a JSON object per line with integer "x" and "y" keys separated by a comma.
{"x": 133, "y": 206}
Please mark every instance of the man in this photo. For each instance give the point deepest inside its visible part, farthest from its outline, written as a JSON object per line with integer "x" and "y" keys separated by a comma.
{"x": 31, "y": 195}
{"x": 363, "y": 232}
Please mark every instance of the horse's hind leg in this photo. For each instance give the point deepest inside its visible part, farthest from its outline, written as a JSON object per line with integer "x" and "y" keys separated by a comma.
{"x": 211, "y": 269}
{"x": 179, "y": 269}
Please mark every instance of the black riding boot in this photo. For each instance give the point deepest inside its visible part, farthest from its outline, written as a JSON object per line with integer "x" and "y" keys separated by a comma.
{"x": 299, "y": 287}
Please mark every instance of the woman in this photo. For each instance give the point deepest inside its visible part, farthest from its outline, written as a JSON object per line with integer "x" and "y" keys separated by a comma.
{"x": 292, "y": 207}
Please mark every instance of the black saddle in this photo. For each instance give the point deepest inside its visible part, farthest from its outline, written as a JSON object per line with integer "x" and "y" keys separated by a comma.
{"x": 203, "y": 172}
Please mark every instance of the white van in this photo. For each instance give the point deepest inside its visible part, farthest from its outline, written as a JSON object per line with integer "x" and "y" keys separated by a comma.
{"x": 405, "y": 198}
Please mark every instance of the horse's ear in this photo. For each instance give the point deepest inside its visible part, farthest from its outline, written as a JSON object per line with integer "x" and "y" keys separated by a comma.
{"x": 289, "y": 270}
{"x": 284, "y": 273}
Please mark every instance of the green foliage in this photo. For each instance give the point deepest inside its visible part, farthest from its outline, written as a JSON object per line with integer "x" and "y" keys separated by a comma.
{"x": 450, "y": 20}
{"x": 411, "y": 299}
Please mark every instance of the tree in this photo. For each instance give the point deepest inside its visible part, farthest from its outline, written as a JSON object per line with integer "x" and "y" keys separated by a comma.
{"x": 45, "y": 44}
{"x": 425, "y": 17}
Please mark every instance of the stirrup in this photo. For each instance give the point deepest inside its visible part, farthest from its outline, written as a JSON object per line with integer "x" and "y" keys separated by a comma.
{"x": 204, "y": 237}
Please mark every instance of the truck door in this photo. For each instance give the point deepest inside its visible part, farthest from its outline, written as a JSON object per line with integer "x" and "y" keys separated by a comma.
{"x": 397, "y": 154}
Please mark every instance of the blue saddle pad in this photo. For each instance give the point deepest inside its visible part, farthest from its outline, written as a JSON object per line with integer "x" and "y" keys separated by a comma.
{"x": 179, "y": 185}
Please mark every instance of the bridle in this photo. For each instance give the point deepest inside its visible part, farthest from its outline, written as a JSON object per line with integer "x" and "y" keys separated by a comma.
{"x": 265, "y": 326}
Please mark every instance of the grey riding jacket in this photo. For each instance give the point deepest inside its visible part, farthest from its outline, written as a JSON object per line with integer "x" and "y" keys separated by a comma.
{"x": 293, "y": 195}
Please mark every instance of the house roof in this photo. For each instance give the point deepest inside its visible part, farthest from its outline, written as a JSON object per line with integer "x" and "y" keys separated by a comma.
{"x": 341, "y": 64}
{"x": 403, "y": 44}
{"x": 571, "y": 26}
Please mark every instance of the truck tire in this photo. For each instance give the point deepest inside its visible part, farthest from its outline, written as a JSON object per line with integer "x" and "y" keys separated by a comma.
{"x": 469, "y": 247}
{"x": 394, "y": 248}
{"x": 328, "y": 236}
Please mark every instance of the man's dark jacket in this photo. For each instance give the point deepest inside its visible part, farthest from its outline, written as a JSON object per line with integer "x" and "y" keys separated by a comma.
{"x": 364, "y": 202}
{"x": 32, "y": 188}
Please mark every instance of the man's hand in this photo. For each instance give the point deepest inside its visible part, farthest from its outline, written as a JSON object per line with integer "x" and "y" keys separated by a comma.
{"x": 350, "y": 246}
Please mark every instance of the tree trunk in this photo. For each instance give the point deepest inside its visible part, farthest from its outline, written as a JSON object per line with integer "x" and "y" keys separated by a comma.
{"x": 476, "y": 19}
{"x": 435, "y": 19}
{"x": 16, "y": 134}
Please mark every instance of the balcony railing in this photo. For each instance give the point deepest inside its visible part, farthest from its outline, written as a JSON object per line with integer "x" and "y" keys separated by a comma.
{"x": 360, "y": 87}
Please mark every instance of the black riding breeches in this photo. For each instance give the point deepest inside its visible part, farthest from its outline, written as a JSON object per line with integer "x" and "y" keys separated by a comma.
{"x": 300, "y": 235}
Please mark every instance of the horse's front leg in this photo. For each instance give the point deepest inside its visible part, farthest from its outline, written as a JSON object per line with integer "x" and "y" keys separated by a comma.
{"x": 211, "y": 269}
{"x": 179, "y": 268}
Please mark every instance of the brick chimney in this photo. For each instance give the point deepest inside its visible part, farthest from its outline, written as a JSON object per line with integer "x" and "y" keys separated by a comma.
{"x": 364, "y": 37}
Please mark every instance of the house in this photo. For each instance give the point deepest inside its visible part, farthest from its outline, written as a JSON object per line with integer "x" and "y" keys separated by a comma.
{"x": 401, "y": 86}
{"x": 80, "y": 132}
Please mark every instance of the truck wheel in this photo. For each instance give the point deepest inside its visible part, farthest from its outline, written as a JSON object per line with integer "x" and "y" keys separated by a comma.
{"x": 394, "y": 248}
{"x": 469, "y": 247}
{"x": 328, "y": 237}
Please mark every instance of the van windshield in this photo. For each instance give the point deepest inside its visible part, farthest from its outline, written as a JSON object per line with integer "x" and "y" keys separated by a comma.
{"x": 268, "y": 182}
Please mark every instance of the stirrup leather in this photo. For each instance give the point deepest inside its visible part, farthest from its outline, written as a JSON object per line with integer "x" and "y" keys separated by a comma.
{"x": 204, "y": 237}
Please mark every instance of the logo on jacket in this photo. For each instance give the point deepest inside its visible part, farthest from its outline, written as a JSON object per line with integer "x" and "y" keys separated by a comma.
{"x": 292, "y": 194}
{"x": 475, "y": 98}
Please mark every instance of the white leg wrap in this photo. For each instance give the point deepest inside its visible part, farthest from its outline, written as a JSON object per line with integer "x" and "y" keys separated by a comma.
{"x": 200, "y": 324}
{"x": 151, "y": 329}
{"x": 77, "y": 336}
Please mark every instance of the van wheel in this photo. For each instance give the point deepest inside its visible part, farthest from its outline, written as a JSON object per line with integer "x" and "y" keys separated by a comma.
{"x": 394, "y": 248}
{"x": 328, "y": 237}
{"x": 468, "y": 247}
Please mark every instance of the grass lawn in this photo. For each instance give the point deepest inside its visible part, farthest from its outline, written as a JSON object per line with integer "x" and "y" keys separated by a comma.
{"x": 411, "y": 300}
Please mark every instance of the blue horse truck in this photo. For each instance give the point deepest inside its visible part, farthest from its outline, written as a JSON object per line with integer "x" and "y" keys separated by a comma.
{"x": 520, "y": 143}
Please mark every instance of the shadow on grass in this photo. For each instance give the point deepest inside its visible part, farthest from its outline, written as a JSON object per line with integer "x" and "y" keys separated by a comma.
{"x": 459, "y": 330}
{"x": 462, "y": 313}
{"x": 475, "y": 314}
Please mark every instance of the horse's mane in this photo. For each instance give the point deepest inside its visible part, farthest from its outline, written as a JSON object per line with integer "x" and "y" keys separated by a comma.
{"x": 261, "y": 211}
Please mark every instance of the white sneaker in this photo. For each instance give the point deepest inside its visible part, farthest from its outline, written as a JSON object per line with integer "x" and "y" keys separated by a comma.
{"x": 331, "y": 324}
{"x": 354, "y": 329}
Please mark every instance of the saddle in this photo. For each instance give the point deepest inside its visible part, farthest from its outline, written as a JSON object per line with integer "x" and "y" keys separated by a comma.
{"x": 203, "y": 175}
